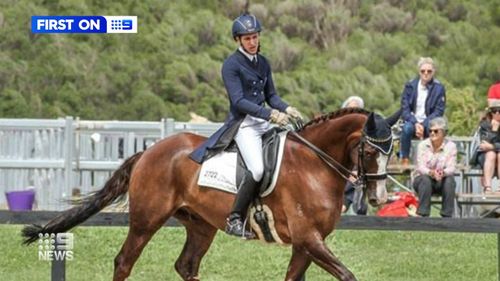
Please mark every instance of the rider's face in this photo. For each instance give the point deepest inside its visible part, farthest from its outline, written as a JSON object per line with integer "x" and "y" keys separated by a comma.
{"x": 250, "y": 42}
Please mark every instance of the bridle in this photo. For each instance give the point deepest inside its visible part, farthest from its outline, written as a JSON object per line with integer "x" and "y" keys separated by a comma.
{"x": 362, "y": 177}
{"x": 366, "y": 177}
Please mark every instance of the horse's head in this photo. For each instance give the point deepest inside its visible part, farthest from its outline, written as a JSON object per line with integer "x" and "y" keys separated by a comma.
{"x": 373, "y": 155}
{"x": 368, "y": 143}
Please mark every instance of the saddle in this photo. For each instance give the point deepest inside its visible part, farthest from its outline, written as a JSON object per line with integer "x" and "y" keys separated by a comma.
{"x": 270, "y": 149}
{"x": 225, "y": 170}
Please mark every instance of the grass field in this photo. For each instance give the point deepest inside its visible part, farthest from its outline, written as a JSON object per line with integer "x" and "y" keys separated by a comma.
{"x": 371, "y": 255}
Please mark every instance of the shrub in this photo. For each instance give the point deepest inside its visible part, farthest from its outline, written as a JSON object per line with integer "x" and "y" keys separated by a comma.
{"x": 456, "y": 12}
{"x": 495, "y": 13}
{"x": 285, "y": 56}
{"x": 463, "y": 110}
{"x": 13, "y": 104}
{"x": 385, "y": 18}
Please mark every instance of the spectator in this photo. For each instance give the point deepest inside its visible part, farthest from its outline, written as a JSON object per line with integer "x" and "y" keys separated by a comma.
{"x": 494, "y": 92}
{"x": 353, "y": 101}
{"x": 423, "y": 99}
{"x": 488, "y": 155}
{"x": 436, "y": 160}
{"x": 352, "y": 195}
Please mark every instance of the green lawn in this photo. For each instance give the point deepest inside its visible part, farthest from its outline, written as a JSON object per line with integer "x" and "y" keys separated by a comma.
{"x": 371, "y": 255}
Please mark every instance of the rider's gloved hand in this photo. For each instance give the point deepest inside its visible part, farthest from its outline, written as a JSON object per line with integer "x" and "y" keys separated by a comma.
{"x": 293, "y": 112}
{"x": 279, "y": 118}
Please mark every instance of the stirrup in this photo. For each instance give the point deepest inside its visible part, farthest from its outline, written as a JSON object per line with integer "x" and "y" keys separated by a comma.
{"x": 235, "y": 227}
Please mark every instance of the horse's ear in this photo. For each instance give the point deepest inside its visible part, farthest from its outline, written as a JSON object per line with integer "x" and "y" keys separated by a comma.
{"x": 371, "y": 126}
{"x": 391, "y": 120}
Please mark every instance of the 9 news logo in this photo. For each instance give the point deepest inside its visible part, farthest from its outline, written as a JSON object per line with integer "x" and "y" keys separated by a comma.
{"x": 121, "y": 24}
{"x": 84, "y": 24}
{"x": 56, "y": 247}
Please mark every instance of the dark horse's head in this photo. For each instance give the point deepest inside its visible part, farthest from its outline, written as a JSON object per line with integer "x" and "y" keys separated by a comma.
{"x": 373, "y": 156}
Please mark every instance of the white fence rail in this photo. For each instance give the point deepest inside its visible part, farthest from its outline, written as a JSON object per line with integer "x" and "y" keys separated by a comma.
{"x": 59, "y": 158}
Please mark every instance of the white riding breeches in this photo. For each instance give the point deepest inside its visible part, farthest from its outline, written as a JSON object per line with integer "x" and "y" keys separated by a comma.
{"x": 249, "y": 140}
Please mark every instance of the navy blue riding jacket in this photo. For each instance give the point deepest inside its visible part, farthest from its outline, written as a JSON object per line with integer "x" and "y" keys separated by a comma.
{"x": 249, "y": 86}
{"x": 434, "y": 104}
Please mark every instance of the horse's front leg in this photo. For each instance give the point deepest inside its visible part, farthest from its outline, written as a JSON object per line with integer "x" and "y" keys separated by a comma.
{"x": 323, "y": 257}
{"x": 299, "y": 263}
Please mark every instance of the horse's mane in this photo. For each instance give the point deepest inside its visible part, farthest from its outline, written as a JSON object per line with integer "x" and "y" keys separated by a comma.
{"x": 334, "y": 115}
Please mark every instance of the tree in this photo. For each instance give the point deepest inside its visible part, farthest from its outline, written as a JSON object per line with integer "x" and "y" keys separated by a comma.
{"x": 463, "y": 111}
{"x": 320, "y": 51}
{"x": 13, "y": 104}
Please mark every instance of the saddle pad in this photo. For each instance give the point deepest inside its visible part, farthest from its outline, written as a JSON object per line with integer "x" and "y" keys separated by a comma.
{"x": 219, "y": 171}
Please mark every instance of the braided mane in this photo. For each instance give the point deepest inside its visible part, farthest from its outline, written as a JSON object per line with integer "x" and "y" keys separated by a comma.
{"x": 334, "y": 115}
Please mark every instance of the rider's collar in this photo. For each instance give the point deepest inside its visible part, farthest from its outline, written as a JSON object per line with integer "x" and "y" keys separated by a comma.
{"x": 250, "y": 57}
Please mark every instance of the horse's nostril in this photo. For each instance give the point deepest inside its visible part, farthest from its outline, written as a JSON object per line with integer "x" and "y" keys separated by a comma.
{"x": 373, "y": 202}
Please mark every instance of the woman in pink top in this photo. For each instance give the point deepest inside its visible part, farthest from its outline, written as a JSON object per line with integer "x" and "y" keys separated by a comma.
{"x": 436, "y": 161}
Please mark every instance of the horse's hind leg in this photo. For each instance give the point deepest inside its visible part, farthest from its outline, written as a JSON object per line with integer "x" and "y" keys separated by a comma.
{"x": 323, "y": 257}
{"x": 144, "y": 222}
{"x": 199, "y": 237}
{"x": 298, "y": 264}
{"x": 137, "y": 239}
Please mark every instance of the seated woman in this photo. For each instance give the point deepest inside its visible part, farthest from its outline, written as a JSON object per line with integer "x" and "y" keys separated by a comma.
{"x": 488, "y": 155}
{"x": 436, "y": 162}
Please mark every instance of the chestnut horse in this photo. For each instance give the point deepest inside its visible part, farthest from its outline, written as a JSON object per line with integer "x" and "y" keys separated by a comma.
{"x": 162, "y": 182}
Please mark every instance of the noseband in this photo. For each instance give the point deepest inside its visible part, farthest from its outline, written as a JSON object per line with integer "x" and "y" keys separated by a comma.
{"x": 362, "y": 177}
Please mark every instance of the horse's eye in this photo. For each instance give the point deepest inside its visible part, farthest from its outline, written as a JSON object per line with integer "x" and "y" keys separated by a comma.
{"x": 370, "y": 154}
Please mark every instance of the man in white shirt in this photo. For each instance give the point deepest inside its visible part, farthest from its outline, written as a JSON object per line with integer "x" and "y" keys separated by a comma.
{"x": 423, "y": 99}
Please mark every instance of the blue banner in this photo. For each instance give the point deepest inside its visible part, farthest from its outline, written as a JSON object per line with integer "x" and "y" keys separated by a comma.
{"x": 68, "y": 24}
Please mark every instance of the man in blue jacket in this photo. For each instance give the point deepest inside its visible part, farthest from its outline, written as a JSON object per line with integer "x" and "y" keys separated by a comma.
{"x": 423, "y": 99}
{"x": 249, "y": 85}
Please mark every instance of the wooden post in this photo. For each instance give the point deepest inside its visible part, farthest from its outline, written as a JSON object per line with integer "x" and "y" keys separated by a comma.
{"x": 58, "y": 270}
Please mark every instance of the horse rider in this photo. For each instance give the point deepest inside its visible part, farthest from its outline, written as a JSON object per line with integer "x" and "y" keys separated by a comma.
{"x": 249, "y": 84}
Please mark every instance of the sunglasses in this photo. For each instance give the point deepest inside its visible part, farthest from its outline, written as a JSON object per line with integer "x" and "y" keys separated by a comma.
{"x": 436, "y": 131}
{"x": 494, "y": 111}
{"x": 424, "y": 71}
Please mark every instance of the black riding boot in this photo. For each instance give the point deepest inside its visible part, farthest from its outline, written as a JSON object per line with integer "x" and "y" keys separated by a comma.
{"x": 246, "y": 193}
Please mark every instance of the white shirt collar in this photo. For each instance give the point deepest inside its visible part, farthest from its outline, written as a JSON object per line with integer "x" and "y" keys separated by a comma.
{"x": 422, "y": 86}
{"x": 250, "y": 57}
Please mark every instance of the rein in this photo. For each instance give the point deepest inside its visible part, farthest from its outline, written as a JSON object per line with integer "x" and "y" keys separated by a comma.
{"x": 339, "y": 168}
{"x": 330, "y": 161}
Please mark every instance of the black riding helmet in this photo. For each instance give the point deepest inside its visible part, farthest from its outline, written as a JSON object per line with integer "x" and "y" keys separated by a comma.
{"x": 245, "y": 24}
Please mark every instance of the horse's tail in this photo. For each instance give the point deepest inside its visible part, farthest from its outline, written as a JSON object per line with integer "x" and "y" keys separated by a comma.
{"x": 113, "y": 191}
